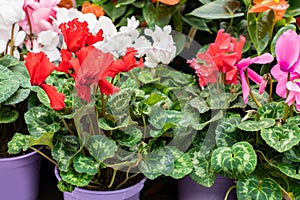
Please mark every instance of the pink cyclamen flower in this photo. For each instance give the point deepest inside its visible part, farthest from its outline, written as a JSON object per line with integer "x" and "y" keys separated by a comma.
{"x": 41, "y": 14}
{"x": 243, "y": 66}
{"x": 288, "y": 51}
{"x": 294, "y": 93}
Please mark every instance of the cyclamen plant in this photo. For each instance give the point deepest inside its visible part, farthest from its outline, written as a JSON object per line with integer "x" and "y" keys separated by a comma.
{"x": 254, "y": 141}
{"x": 108, "y": 121}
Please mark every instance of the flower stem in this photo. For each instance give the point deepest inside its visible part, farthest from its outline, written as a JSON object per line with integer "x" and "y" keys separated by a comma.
{"x": 102, "y": 105}
{"x": 228, "y": 191}
{"x": 250, "y": 91}
{"x": 113, "y": 178}
{"x": 41, "y": 153}
{"x": 12, "y": 40}
{"x": 286, "y": 108}
{"x": 271, "y": 88}
{"x": 145, "y": 127}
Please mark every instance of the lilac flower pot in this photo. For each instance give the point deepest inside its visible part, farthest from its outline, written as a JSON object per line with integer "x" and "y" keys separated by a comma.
{"x": 190, "y": 190}
{"x": 130, "y": 193}
{"x": 19, "y": 177}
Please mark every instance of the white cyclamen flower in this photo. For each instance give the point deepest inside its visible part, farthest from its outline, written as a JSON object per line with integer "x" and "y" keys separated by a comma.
{"x": 11, "y": 12}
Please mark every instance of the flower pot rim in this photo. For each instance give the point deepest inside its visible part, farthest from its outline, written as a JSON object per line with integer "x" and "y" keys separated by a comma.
{"x": 102, "y": 192}
{"x": 18, "y": 157}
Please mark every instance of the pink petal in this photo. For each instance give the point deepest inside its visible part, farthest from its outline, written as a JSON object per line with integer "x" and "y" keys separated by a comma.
{"x": 291, "y": 98}
{"x": 287, "y": 50}
{"x": 245, "y": 87}
{"x": 263, "y": 86}
{"x": 262, "y": 59}
{"x": 292, "y": 86}
{"x": 254, "y": 76}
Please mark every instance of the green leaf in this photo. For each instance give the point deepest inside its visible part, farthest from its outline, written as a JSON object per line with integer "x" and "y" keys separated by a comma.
{"x": 259, "y": 28}
{"x": 215, "y": 117}
{"x": 156, "y": 163}
{"x": 290, "y": 170}
{"x": 256, "y": 189}
{"x": 8, "y": 61}
{"x": 281, "y": 138}
{"x": 9, "y": 83}
{"x": 18, "y": 143}
{"x": 146, "y": 77}
{"x": 227, "y": 132}
{"x": 202, "y": 172}
{"x": 293, "y": 120}
{"x": 219, "y": 9}
{"x": 238, "y": 161}
{"x": 85, "y": 164}
{"x": 74, "y": 178}
{"x": 293, "y": 9}
{"x": 22, "y": 74}
{"x": 154, "y": 98}
{"x": 7, "y": 115}
{"x": 41, "y": 120}
{"x": 182, "y": 165}
{"x": 65, "y": 187}
{"x": 278, "y": 34}
{"x": 112, "y": 11}
{"x": 100, "y": 147}
{"x": 119, "y": 102}
{"x": 196, "y": 22}
{"x": 64, "y": 150}
{"x": 199, "y": 104}
{"x": 293, "y": 154}
{"x": 159, "y": 16}
{"x": 158, "y": 117}
{"x": 18, "y": 97}
{"x": 274, "y": 110}
{"x": 129, "y": 137}
{"x": 256, "y": 125}
{"x": 221, "y": 101}
{"x": 123, "y": 2}
{"x": 262, "y": 98}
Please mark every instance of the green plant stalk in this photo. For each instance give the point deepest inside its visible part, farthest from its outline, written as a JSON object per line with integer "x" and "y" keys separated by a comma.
{"x": 228, "y": 191}
{"x": 67, "y": 126}
{"x": 127, "y": 178}
{"x": 44, "y": 155}
{"x": 12, "y": 40}
{"x": 286, "y": 108}
{"x": 271, "y": 88}
{"x": 145, "y": 127}
{"x": 112, "y": 179}
{"x": 102, "y": 105}
{"x": 250, "y": 91}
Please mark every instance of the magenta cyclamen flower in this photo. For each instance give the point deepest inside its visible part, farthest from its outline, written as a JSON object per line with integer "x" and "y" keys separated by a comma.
{"x": 243, "y": 66}
{"x": 294, "y": 93}
{"x": 288, "y": 51}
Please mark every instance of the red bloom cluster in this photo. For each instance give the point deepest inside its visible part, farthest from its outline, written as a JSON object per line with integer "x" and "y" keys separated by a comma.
{"x": 82, "y": 61}
{"x": 222, "y": 55}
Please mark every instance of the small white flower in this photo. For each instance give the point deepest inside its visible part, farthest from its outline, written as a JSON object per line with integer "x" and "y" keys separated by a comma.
{"x": 132, "y": 24}
{"x": 11, "y": 12}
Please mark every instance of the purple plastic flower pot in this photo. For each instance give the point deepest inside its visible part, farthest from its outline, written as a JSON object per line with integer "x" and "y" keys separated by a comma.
{"x": 20, "y": 176}
{"x": 190, "y": 190}
{"x": 130, "y": 193}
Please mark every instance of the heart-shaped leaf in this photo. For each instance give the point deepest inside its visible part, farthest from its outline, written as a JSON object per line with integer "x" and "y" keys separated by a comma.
{"x": 9, "y": 83}
{"x": 8, "y": 61}
{"x": 227, "y": 132}
{"x": 256, "y": 125}
{"x": 18, "y": 143}
{"x": 237, "y": 161}
{"x": 20, "y": 95}
{"x": 158, "y": 117}
{"x": 293, "y": 9}
{"x": 75, "y": 178}
{"x": 256, "y": 189}
{"x": 281, "y": 138}
{"x": 274, "y": 110}
{"x": 101, "y": 147}
{"x": 182, "y": 165}
{"x": 7, "y": 115}
{"x": 293, "y": 154}
{"x": 290, "y": 170}
{"x": 259, "y": 28}
{"x": 159, "y": 16}
{"x": 129, "y": 137}
{"x": 85, "y": 164}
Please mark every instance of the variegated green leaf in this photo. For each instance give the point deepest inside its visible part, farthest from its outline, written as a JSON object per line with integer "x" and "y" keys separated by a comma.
{"x": 262, "y": 98}
{"x": 256, "y": 189}
{"x": 215, "y": 117}
{"x": 238, "y": 103}
{"x": 293, "y": 154}
{"x": 41, "y": 120}
{"x": 202, "y": 172}
{"x": 120, "y": 101}
{"x": 7, "y": 115}
{"x": 18, "y": 143}
{"x": 290, "y": 170}
{"x": 293, "y": 120}
{"x": 64, "y": 150}
{"x": 274, "y": 110}
{"x": 45, "y": 139}
{"x": 237, "y": 161}
{"x": 128, "y": 137}
{"x": 65, "y": 187}
{"x": 158, "y": 117}
{"x": 221, "y": 101}
{"x": 8, "y": 61}
{"x": 9, "y": 83}
{"x": 154, "y": 98}
{"x": 105, "y": 124}
{"x": 200, "y": 104}
{"x": 20, "y": 95}
{"x": 227, "y": 132}
{"x": 282, "y": 138}
{"x": 146, "y": 77}
{"x": 182, "y": 165}
{"x": 85, "y": 164}
{"x": 256, "y": 125}
{"x": 22, "y": 74}
{"x": 100, "y": 147}
{"x": 127, "y": 82}
{"x": 157, "y": 163}
{"x": 75, "y": 178}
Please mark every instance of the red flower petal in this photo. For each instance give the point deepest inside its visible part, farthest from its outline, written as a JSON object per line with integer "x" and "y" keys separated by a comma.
{"x": 39, "y": 67}
{"x": 107, "y": 88}
{"x": 56, "y": 98}
{"x": 92, "y": 39}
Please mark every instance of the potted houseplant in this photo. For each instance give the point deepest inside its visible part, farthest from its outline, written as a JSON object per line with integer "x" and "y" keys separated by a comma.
{"x": 254, "y": 141}
{"x": 19, "y": 173}
{"x": 108, "y": 122}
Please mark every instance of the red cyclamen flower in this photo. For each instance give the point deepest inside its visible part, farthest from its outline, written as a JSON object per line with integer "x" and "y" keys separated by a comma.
{"x": 39, "y": 68}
